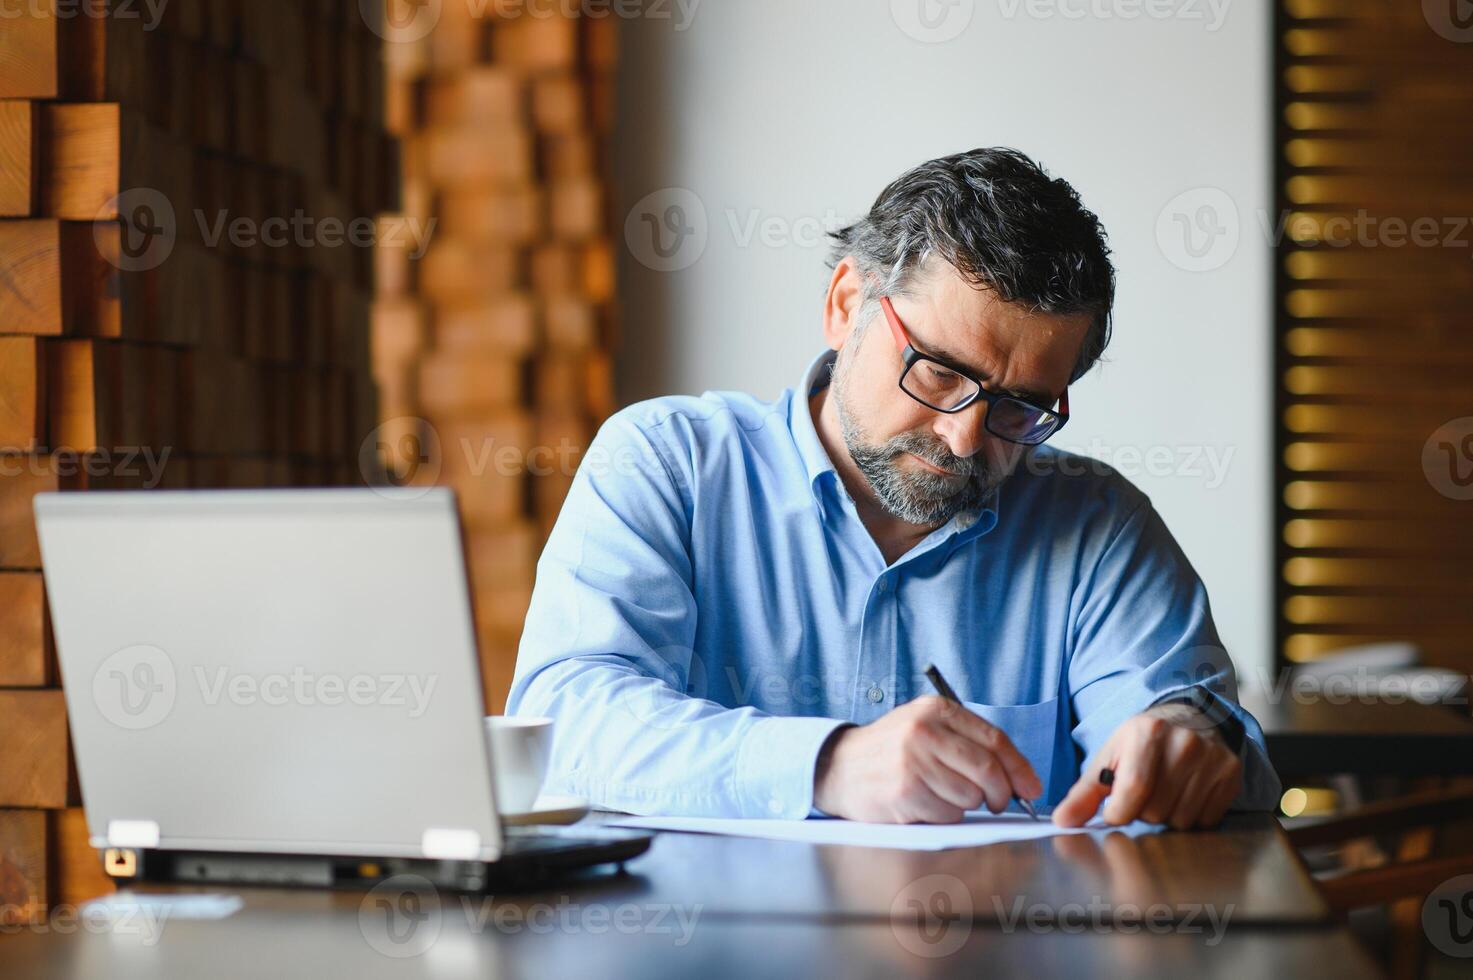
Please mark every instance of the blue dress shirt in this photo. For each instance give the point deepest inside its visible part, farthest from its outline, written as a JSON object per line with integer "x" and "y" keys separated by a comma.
{"x": 709, "y": 609}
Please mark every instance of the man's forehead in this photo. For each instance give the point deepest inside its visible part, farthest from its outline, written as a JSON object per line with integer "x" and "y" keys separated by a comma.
{"x": 957, "y": 304}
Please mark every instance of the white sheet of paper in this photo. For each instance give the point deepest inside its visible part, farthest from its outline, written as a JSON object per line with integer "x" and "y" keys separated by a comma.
{"x": 976, "y": 828}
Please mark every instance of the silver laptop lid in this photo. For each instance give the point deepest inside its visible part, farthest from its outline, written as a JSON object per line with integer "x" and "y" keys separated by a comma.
{"x": 280, "y": 671}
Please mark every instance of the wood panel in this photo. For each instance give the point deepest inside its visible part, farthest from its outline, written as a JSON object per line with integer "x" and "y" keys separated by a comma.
{"x": 22, "y": 394}
{"x": 77, "y": 874}
{"x": 30, "y": 277}
{"x": 86, "y": 409}
{"x": 18, "y": 152}
{"x": 1375, "y": 349}
{"x": 82, "y": 147}
{"x": 24, "y": 892}
{"x": 25, "y": 659}
{"x": 34, "y": 769}
{"x": 29, "y": 63}
{"x": 22, "y": 476}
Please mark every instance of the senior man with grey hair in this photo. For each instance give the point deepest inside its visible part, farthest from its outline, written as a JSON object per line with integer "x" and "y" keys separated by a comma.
{"x": 735, "y": 610}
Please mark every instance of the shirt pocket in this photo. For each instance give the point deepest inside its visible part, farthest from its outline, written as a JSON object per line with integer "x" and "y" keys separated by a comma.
{"x": 1034, "y": 729}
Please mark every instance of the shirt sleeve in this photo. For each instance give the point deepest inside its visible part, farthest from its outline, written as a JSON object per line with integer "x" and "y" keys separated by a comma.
{"x": 1144, "y": 631}
{"x": 607, "y": 652}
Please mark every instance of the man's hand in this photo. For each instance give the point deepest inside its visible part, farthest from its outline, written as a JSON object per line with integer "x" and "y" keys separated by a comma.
{"x": 928, "y": 761}
{"x": 1170, "y": 766}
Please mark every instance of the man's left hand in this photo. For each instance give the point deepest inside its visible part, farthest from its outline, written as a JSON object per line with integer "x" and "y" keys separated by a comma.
{"x": 1171, "y": 767}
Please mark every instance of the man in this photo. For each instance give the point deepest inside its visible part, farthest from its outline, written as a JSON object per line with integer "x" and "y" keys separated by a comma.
{"x": 735, "y": 610}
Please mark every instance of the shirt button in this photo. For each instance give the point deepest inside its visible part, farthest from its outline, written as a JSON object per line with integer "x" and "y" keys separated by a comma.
{"x": 876, "y": 695}
{"x": 774, "y": 806}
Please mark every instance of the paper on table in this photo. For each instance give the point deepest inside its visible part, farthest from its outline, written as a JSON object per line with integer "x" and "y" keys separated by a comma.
{"x": 977, "y": 828}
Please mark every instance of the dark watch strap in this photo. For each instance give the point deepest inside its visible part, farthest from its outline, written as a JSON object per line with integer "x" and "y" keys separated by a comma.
{"x": 1224, "y": 721}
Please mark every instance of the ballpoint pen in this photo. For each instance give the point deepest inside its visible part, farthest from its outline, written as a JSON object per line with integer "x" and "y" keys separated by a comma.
{"x": 944, "y": 689}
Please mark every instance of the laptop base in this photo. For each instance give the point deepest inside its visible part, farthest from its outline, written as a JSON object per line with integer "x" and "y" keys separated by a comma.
{"x": 531, "y": 856}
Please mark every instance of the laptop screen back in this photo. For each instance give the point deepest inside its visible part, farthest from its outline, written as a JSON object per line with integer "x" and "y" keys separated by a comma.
{"x": 271, "y": 671}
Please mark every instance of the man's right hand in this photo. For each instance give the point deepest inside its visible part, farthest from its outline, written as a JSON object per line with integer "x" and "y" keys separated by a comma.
{"x": 928, "y": 761}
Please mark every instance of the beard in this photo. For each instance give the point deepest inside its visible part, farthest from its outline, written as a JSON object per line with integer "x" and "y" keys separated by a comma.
{"x": 918, "y": 497}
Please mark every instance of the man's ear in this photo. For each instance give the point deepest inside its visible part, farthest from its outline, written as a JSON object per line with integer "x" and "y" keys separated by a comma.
{"x": 841, "y": 305}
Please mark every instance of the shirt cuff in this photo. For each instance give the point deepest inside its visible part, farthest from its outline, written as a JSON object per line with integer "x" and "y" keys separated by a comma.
{"x": 775, "y": 767}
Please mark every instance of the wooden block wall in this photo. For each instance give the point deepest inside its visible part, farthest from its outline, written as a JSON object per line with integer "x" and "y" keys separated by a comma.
{"x": 1374, "y": 349}
{"x": 141, "y": 349}
{"x": 492, "y": 347}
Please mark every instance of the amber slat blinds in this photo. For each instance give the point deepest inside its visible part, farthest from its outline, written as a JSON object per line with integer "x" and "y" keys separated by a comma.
{"x": 1375, "y": 327}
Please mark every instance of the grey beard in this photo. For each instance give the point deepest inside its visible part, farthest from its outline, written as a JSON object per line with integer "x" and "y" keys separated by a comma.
{"x": 925, "y": 499}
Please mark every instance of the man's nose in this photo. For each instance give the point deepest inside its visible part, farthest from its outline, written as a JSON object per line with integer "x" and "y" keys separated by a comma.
{"x": 964, "y": 431}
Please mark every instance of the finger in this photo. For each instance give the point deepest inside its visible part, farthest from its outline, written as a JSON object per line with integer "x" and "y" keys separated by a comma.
{"x": 921, "y": 804}
{"x": 1022, "y": 780}
{"x": 933, "y": 809}
{"x": 956, "y": 788}
{"x": 1228, "y": 785}
{"x": 1223, "y": 771}
{"x": 1168, "y": 787}
{"x": 1084, "y": 797}
{"x": 1188, "y": 806}
{"x": 980, "y": 766}
{"x": 1182, "y": 752}
{"x": 1137, "y": 777}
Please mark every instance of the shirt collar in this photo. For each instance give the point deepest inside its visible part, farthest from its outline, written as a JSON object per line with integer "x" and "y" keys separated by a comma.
{"x": 817, "y": 463}
{"x": 800, "y": 418}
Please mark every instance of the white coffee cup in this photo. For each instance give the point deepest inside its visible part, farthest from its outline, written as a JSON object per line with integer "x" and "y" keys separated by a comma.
{"x": 520, "y": 748}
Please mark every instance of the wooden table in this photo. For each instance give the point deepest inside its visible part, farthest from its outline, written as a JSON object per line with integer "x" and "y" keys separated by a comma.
{"x": 1363, "y": 738}
{"x": 716, "y": 907}
{"x": 1247, "y": 864}
{"x": 264, "y": 941}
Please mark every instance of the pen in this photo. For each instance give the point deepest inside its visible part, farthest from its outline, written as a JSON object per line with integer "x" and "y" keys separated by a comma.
{"x": 944, "y": 689}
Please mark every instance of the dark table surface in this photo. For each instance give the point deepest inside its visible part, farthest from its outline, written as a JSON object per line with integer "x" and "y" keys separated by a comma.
{"x": 1235, "y": 902}
{"x": 274, "y": 937}
{"x": 1314, "y": 736}
{"x": 1246, "y": 864}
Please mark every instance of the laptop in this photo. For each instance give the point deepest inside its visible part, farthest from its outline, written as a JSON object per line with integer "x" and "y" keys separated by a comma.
{"x": 282, "y": 686}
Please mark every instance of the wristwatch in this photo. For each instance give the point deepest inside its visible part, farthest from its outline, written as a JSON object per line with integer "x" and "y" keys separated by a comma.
{"x": 1224, "y": 721}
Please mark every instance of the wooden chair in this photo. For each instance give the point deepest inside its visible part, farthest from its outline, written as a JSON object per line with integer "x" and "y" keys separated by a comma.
{"x": 1409, "y": 827}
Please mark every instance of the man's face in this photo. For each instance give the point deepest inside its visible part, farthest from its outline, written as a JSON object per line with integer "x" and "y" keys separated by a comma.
{"x": 926, "y": 466}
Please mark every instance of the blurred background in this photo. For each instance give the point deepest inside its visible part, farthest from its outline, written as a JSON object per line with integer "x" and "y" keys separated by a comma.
{"x": 252, "y": 243}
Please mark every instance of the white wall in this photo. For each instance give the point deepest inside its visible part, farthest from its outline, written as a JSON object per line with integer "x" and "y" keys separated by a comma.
{"x": 768, "y": 120}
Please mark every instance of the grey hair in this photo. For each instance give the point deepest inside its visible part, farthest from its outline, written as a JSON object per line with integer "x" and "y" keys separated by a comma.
{"x": 1003, "y": 223}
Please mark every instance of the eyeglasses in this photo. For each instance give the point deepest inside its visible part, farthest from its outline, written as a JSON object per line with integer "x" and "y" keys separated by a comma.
{"x": 941, "y": 387}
